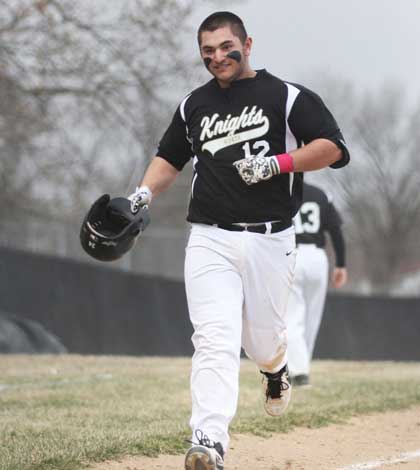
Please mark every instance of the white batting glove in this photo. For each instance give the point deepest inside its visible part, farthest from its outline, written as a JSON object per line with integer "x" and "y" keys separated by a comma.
{"x": 255, "y": 169}
{"x": 141, "y": 197}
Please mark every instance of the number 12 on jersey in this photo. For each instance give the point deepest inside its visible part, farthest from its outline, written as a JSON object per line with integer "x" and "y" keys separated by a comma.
{"x": 261, "y": 145}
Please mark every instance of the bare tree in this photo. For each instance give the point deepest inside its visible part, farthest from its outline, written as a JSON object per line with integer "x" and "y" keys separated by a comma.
{"x": 89, "y": 87}
{"x": 379, "y": 190}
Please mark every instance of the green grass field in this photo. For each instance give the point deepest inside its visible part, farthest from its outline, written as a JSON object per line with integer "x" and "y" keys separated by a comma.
{"x": 61, "y": 412}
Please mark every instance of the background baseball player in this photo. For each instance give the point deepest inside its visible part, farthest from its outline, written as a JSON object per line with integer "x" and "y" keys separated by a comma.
{"x": 244, "y": 131}
{"x": 316, "y": 217}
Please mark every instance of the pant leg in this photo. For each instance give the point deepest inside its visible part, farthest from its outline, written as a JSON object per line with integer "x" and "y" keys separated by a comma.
{"x": 296, "y": 316}
{"x": 215, "y": 298}
{"x": 316, "y": 290}
{"x": 268, "y": 268}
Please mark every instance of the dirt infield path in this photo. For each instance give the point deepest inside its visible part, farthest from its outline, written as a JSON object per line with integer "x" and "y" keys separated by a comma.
{"x": 381, "y": 441}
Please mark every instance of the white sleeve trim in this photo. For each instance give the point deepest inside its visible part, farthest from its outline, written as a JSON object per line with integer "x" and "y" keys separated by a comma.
{"x": 291, "y": 141}
{"x": 182, "y": 107}
{"x": 292, "y": 94}
{"x": 195, "y": 160}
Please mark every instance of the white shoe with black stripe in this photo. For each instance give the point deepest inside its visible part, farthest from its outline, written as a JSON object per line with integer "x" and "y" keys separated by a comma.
{"x": 278, "y": 391}
{"x": 206, "y": 455}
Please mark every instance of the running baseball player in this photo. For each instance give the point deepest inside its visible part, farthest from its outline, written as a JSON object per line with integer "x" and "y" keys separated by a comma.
{"x": 317, "y": 216}
{"x": 250, "y": 136}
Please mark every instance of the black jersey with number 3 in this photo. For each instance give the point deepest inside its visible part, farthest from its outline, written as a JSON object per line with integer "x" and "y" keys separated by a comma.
{"x": 317, "y": 216}
{"x": 261, "y": 116}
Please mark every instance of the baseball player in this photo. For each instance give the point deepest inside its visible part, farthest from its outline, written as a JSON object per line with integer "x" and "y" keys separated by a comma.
{"x": 250, "y": 136}
{"x": 316, "y": 217}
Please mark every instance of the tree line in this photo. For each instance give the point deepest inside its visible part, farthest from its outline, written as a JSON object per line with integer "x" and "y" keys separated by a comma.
{"x": 87, "y": 89}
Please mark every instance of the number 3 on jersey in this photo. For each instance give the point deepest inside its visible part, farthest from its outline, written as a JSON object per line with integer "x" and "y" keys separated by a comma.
{"x": 311, "y": 215}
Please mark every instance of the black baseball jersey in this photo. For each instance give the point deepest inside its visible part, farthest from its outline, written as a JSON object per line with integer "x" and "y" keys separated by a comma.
{"x": 261, "y": 116}
{"x": 317, "y": 216}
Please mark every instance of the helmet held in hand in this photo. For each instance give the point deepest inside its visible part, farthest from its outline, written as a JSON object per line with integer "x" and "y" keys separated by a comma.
{"x": 110, "y": 229}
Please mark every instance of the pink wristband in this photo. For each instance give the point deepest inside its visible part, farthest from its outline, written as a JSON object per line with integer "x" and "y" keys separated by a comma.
{"x": 285, "y": 162}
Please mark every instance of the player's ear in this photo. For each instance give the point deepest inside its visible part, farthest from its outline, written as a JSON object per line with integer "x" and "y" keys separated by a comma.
{"x": 247, "y": 46}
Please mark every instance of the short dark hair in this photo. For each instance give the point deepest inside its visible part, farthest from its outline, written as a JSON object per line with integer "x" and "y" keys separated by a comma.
{"x": 219, "y": 19}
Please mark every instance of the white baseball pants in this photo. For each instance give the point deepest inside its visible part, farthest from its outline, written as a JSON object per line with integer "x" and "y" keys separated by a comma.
{"x": 237, "y": 285}
{"x": 305, "y": 306}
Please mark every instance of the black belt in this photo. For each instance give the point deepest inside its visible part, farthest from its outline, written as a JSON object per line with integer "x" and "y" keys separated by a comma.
{"x": 259, "y": 228}
{"x": 309, "y": 244}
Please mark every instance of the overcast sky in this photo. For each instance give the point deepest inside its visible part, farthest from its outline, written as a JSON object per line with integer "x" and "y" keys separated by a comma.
{"x": 367, "y": 42}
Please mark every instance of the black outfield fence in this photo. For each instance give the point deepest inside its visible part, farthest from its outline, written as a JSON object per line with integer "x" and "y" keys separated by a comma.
{"x": 94, "y": 310}
{"x": 370, "y": 328}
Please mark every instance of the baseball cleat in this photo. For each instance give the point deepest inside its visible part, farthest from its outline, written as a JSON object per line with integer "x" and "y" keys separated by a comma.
{"x": 301, "y": 380}
{"x": 278, "y": 391}
{"x": 200, "y": 457}
{"x": 205, "y": 454}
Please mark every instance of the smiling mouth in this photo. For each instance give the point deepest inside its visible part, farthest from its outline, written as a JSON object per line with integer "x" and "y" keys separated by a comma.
{"x": 221, "y": 67}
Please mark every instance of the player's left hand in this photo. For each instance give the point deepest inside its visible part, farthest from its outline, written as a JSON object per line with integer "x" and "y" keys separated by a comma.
{"x": 140, "y": 198}
{"x": 255, "y": 169}
{"x": 339, "y": 277}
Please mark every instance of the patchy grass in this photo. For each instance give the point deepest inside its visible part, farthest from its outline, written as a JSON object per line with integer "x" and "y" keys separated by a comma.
{"x": 62, "y": 412}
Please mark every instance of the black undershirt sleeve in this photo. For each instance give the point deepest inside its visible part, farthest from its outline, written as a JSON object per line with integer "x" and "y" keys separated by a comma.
{"x": 310, "y": 119}
{"x": 333, "y": 223}
{"x": 338, "y": 244}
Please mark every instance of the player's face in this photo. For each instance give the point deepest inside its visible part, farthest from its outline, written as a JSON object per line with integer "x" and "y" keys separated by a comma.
{"x": 214, "y": 48}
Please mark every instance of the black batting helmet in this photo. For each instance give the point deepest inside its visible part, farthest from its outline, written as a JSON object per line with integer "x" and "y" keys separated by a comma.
{"x": 110, "y": 229}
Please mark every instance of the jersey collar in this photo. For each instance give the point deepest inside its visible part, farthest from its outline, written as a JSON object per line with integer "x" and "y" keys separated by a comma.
{"x": 244, "y": 81}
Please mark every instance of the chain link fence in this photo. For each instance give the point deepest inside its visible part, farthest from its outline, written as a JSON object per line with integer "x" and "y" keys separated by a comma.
{"x": 159, "y": 251}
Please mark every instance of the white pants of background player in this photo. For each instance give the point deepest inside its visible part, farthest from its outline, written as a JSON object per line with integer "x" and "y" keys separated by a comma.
{"x": 237, "y": 285}
{"x": 305, "y": 306}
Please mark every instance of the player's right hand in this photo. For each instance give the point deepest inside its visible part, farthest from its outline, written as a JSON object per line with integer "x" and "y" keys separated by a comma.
{"x": 141, "y": 197}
